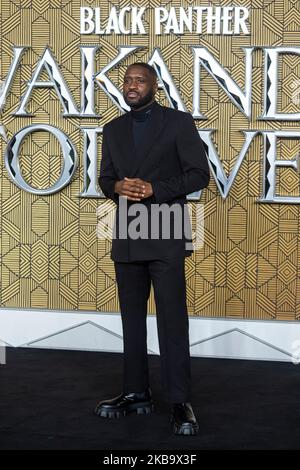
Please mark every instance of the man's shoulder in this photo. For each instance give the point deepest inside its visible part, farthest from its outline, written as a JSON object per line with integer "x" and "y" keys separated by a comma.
{"x": 176, "y": 116}
{"x": 176, "y": 113}
{"x": 115, "y": 122}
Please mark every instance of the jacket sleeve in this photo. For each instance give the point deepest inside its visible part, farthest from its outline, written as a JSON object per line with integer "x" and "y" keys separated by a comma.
{"x": 193, "y": 159}
{"x": 108, "y": 176}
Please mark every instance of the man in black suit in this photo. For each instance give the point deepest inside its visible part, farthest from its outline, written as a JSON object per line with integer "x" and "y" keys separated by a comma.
{"x": 152, "y": 157}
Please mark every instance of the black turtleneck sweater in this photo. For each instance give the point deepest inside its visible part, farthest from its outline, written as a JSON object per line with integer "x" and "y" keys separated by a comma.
{"x": 140, "y": 121}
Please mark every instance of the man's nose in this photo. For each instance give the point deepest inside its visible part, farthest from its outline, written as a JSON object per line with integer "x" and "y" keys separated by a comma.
{"x": 133, "y": 84}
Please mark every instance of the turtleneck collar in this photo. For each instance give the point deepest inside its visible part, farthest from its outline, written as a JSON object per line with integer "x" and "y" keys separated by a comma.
{"x": 142, "y": 114}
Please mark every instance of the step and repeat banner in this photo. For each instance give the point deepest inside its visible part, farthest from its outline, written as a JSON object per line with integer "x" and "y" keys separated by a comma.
{"x": 234, "y": 66}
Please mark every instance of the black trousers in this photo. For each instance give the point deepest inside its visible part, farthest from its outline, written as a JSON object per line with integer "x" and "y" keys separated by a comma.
{"x": 134, "y": 283}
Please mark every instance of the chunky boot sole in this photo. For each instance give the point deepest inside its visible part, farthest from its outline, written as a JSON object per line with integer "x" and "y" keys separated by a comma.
{"x": 186, "y": 429}
{"x": 139, "y": 408}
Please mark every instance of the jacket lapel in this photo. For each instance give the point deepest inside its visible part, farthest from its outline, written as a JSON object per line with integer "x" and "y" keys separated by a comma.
{"x": 131, "y": 163}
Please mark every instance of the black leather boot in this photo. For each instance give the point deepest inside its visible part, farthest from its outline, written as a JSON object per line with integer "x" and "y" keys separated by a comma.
{"x": 125, "y": 403}
{"x": 183, "y": 419}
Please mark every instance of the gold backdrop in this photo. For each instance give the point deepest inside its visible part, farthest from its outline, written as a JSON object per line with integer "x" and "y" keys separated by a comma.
{"x": 50, "y": 255}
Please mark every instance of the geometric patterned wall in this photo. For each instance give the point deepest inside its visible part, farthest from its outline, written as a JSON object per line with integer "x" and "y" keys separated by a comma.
{"x": 51, "y": 258}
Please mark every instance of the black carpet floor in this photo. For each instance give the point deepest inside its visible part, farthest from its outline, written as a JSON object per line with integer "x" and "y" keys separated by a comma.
{"x": 47, "y": 399}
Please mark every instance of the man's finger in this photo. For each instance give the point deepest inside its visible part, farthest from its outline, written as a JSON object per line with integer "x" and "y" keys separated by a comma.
{"x": 133, "y": 187}
{"x": 135, "y": 180}
{"x": 132, "y": 193}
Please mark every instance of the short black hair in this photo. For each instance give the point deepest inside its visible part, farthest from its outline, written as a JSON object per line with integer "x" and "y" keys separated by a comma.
{"x": 146, "y": 66}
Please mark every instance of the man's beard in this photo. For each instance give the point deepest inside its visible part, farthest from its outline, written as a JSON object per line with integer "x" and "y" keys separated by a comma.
{"x": 145, "y": 100}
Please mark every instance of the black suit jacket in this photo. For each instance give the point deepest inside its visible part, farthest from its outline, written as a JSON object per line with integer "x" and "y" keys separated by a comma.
{"x": 173, "y": 160}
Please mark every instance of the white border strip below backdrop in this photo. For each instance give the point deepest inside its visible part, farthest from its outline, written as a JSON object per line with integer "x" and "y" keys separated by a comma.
{"x": 209, "y": 337}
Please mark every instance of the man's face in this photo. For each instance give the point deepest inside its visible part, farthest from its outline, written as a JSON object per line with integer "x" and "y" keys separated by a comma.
{"x": 139, "y": 87}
